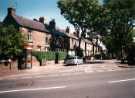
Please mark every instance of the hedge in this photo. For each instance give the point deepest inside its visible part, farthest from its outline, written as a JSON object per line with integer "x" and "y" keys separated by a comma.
{"x": 62, "y": 55}
{"x": 50, "y": 55}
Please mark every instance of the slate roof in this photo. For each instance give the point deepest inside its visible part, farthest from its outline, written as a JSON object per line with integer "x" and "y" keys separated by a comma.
{"x": 29, "y": 23}
{"x": 58, "y": 33}
{"x": 21, "y": 21}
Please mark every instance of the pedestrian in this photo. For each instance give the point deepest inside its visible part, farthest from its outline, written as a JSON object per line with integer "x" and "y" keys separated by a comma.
{"x": 9, "y": 61}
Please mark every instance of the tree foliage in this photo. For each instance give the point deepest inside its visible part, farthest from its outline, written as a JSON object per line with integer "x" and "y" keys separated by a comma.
{"x": 82, "y": 14}
{"x": 11, "y": 42}
{"x": 113, "y": 20}
{"x": 122, "y": 15}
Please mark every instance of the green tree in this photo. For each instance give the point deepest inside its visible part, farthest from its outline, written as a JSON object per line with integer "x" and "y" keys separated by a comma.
{"x": 134, "y": 33}
{"x": 82, "y": 14}
{"x": 11, "y": 42}
{"x": 52, "y": 28}
{"x": 122, "y": 13}
{"x": 108, "y": 41}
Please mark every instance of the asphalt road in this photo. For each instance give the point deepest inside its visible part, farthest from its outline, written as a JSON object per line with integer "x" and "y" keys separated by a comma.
{"x": 118, "y": 84}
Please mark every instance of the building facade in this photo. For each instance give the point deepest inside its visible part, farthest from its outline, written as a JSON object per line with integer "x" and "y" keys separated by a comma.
{"x": 40, "y": 37}
{"x": 35, "y": 32}
{"x": 36, "y": 35}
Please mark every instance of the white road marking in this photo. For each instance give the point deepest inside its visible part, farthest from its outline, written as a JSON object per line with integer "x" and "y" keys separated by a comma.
{"x": 118, "y": 81}
{"x": 32, "y": 89}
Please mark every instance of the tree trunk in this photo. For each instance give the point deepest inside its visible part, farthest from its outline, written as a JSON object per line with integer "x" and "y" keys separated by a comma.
{"x": 93, "y": 50}
{"x": 80, "y": 38}
{"x": 80, "y": 42}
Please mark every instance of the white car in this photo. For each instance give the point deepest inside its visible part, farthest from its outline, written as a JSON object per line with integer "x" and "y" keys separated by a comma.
{"x": 73, "y": 60}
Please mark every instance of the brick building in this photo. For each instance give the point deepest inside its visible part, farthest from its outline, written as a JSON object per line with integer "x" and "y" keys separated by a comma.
{"x": 35, "y": 31}
{"x": 40, "y": 37}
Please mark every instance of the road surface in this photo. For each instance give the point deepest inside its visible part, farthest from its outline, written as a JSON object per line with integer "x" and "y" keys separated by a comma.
{"x": 118, "y": 84}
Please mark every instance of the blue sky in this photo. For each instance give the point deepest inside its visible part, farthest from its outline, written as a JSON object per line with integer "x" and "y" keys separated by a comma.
{"x": 34, "y": 9}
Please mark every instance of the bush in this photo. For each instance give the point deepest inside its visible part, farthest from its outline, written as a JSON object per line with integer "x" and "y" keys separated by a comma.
{"x": 62, "y": 55}
{"x": 50, "y": 55}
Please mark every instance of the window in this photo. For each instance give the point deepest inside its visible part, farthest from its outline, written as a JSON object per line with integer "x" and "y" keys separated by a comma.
{"x": 29, "y": 36}
{"x": 47, "y": 40}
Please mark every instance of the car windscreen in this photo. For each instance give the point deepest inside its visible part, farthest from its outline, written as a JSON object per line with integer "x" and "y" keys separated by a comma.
{"x": 79, "y": 58}
{"x": 71, "y": 58}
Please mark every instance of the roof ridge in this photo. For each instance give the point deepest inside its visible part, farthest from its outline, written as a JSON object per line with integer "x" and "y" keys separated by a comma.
{"x": 23, "y": 21}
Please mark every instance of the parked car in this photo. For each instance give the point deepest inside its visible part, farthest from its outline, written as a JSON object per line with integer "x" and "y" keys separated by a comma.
{"x": 73, "y": 60}
{"x": 5, "y": 61}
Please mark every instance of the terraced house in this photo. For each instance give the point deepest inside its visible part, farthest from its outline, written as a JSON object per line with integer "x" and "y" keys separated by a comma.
{"x": 35, "y": 31}
{"x": 41, "y": 37}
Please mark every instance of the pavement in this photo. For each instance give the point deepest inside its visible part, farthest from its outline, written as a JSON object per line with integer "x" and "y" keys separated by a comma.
{"x": 60, "y": 69}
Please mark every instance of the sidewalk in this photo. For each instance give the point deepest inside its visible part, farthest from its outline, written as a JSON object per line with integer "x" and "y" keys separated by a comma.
{"x": 94, "y": 66}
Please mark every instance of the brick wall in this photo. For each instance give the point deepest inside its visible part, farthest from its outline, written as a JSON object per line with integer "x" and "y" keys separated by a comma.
{"x": 38, "y": 38}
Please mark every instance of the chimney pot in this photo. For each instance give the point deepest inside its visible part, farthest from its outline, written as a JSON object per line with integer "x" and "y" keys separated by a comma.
{"x": 41, "y": 19}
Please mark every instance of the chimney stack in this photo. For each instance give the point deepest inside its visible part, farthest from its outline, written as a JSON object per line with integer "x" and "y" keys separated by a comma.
{"x": 67, "y": 30}
{"x": 41, "y": 19}
{"x": 35, "y": 19}
{"x": 11, "y": 11}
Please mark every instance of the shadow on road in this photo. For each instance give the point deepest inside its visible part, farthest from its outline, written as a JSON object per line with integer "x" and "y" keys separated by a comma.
{"x": 124, "y": 64}
{"x": 87, "y": 62}
{"x": 94, "y": 62}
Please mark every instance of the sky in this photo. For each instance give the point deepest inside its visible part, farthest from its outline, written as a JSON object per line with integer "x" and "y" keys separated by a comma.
{"x": 35, "y": 9}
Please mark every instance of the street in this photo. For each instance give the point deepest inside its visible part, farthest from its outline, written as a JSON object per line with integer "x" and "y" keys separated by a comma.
{"x": 118, "y": 84}
{"x": 67, "y": 49}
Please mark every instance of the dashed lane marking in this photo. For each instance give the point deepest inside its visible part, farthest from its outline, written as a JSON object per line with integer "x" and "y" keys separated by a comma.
{"x": 119, "y": 81}
{"x": 32, "y": 89}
